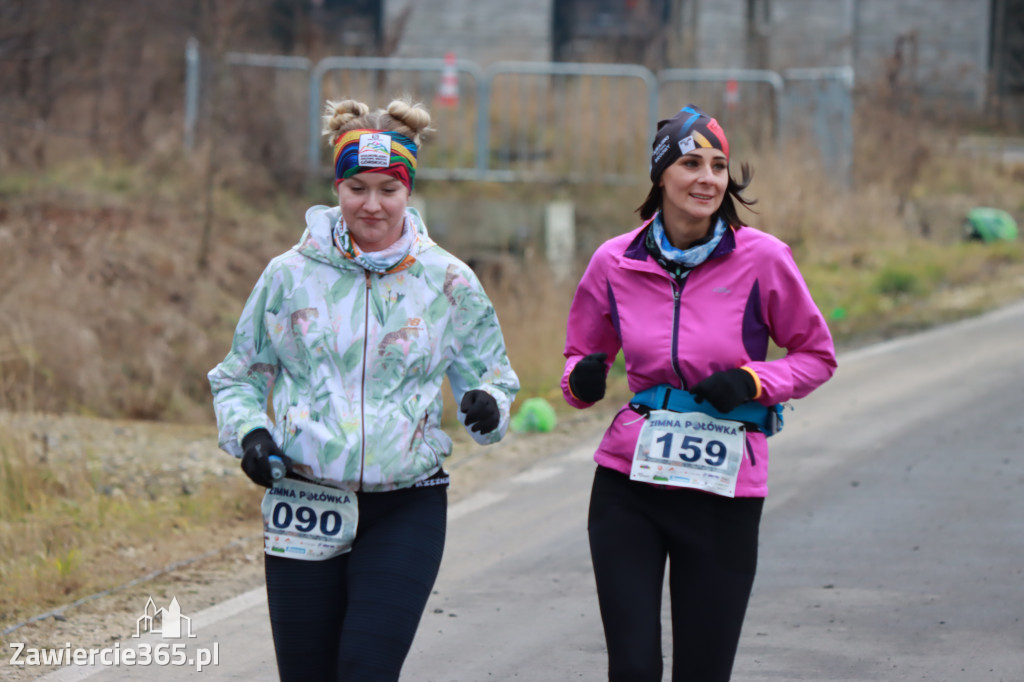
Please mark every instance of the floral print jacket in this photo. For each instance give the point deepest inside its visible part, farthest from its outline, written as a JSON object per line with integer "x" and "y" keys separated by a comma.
{"x": 354, "y": 362}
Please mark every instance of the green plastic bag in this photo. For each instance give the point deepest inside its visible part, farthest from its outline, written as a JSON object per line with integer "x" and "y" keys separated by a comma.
{"x": 535, "y": 415}
{"x": 990, "y": 225}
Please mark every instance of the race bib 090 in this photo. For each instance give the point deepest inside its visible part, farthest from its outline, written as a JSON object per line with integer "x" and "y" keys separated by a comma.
{"x": 307, "y": 521}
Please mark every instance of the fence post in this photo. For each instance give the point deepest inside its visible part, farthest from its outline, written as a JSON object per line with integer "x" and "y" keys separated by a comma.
{"x": 560, "y": 237}
{"x": 316, "y": 78}
{"x": 483, "y": 125}
{"x": 191, "y": 91}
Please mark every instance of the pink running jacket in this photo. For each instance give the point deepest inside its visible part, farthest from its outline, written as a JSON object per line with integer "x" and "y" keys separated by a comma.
{"x": 720, "y": 317}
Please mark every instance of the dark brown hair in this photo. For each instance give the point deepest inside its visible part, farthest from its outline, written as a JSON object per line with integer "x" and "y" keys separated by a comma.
{"x": 727, "y": 211}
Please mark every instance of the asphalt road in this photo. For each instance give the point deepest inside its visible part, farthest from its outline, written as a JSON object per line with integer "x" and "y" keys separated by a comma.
{"x": 892, "y": 546}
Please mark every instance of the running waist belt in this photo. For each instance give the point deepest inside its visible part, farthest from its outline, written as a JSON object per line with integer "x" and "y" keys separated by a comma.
{"x": 767, "y": 420}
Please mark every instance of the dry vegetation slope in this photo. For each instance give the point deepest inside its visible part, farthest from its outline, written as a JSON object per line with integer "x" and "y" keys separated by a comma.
{"x": 105, "y": 310}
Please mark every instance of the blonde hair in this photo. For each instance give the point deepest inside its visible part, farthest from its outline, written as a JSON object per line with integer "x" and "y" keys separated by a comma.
{"x": 401, "y": 116}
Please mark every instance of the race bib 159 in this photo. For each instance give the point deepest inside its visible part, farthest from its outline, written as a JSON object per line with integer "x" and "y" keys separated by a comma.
{"x": 689, "y": 450}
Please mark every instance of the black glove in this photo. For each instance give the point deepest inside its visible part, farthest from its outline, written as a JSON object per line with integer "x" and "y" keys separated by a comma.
{"x": 726, "y": 390}
{"x": 258, "y": 447}
{"x": 481, "y": 411}
{"x": 589, "y": 377}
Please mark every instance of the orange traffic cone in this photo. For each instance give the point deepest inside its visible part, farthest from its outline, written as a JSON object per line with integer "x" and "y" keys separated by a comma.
{"x": 448, "y": 90}
{"x": 732, "y": 94}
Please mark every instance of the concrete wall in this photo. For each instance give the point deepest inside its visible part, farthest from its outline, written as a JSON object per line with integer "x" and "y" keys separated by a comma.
{"x": 948, "y": 54}
{"x": 952, "y": 43}
{"x": 951, "y": 37}
{"x": 481, "y": 31}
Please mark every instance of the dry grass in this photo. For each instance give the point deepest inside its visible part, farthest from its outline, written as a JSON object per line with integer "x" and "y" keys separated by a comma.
{"x": 91, "y": 504}
{"x": 104, "y": 306}
{"x": 106, "y": 310}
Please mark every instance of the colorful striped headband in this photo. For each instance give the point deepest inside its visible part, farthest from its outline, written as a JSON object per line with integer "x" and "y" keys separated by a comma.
{"x": 689, "y": 129}
{"x": 375, "y": 151}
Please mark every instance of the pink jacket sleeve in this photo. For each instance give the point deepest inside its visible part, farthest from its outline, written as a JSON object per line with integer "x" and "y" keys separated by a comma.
{"x": 589, "y": 328}
{"x": 795, "y": 324}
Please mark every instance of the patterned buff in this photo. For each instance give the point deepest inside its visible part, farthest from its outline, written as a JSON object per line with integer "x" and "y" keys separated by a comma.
{"x": 689, "y": 129}
{"x": 679, "y": 262}
{"x": 394, "y": 258}
{"x": 375, "y": 151}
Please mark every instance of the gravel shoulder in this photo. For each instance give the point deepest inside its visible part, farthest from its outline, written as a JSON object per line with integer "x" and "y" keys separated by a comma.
{"x": 206, "y": 573}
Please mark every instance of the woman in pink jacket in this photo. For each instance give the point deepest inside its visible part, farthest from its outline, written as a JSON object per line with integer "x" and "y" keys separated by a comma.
{"x": 691, "y": 298}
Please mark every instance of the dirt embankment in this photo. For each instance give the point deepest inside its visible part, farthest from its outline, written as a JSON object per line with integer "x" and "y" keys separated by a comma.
{"x": 106, "y": 308}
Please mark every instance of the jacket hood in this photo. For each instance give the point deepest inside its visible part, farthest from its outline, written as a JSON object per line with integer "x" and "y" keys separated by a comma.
{"x": 317, "y": 240}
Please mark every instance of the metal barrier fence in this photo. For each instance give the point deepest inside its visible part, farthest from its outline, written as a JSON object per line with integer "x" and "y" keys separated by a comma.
{"x": 563, "y": 122}
{"x": 371, "y": 79}
{"x": 750, "y": 100}
{"x": 819, "y": 104}
{"x": 566, "y": 122}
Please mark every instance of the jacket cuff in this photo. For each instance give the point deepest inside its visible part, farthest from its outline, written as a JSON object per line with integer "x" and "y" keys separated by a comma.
{"x": 245, "y": 428}
{"x": 758, "y": 389}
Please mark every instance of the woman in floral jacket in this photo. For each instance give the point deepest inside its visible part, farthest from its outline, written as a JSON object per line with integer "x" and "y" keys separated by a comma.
{"x": 350, "y": 334}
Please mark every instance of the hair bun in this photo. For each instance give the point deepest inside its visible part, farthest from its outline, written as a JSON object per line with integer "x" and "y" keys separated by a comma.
{"x": 401, "y": 116}
{"x": 414, "y": 116}
{"x": 338, "y": 114}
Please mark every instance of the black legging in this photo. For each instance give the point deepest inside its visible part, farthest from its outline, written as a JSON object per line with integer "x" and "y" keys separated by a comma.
{"x": 711, "y": 544}
{"x": 354, "y": 617}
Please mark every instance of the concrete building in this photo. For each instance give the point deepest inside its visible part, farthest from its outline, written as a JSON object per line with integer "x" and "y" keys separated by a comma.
{"x": 966, "y": 51}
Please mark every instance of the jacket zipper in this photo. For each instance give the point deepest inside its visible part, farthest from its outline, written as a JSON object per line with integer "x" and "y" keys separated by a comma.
{"x": 362, "y": 384}
{"x": 677, "y": 290}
